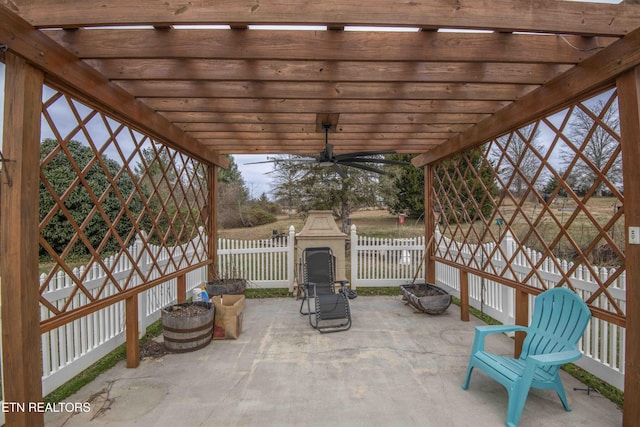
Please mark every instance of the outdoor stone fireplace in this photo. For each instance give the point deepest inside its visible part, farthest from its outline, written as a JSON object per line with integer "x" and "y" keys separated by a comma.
{"x": 321, "y": 230}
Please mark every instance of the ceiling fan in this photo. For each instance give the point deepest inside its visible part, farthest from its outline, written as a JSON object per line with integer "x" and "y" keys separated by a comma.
{"x": 356, "y": 160}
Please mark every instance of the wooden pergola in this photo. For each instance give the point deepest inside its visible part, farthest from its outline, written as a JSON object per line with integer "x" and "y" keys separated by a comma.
{"x": 232, "y": 77}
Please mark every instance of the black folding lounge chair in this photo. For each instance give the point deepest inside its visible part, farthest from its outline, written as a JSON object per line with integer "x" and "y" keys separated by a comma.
{"x": 331, "y": 310}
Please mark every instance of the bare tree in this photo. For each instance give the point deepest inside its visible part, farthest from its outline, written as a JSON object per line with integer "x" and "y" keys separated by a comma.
{"x": 593, "y": 133}
{"x": 518, "y": 161}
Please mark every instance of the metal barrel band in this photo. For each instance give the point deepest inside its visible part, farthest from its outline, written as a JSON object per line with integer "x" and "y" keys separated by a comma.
{"x": 180, "y": 330}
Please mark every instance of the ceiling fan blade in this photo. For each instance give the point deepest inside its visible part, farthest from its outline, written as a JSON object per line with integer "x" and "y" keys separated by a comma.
{"x": 348, "y": 156}
{"x": 257, "y": 163}
{"x": 364, "y": 167}
{"x": 301, "y": 160}
{"x": 339, "y": 170}
{"x": 370, "y": 160}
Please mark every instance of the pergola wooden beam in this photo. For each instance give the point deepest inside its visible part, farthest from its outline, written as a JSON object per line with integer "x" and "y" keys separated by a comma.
{"x": 629, "y": 107}
{"x": 593, "y": 73}
{"x": 319, "y": 90}
{"x": 327, "y": 45}
{"x": 334, "y": 138}
{"x": 65, "y": 69}
{"x": 348, "y": 128}
{"x": 503, "y": 15}
{"x": 20, "y": 181}
{"x": 352, "y": 118}
{"x": 311, "y": 147}
{"x": 341, "y": 106}
{"x": 319, "y": 71}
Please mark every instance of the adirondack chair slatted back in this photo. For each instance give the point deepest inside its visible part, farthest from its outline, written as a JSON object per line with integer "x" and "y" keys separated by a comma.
{"x": 558, "y": 322}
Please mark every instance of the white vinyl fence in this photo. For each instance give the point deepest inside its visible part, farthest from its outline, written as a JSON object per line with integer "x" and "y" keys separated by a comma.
{"x": 69, "y": 349}
{"x": 267, "y": 263}
{"x": 384, "y": 261}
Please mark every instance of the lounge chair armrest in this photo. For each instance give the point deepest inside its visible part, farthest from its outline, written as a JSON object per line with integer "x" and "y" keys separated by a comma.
{"x": 558, "y": 358}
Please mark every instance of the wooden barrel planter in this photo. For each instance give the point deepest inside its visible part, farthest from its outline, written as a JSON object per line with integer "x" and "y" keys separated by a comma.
{"x": 187, "y": 326}
{"x": 226, "y": 287}
{"x": 427, "y": 298}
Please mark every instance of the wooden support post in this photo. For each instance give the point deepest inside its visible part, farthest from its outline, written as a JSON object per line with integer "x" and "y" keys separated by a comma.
{"x": 629, "y": 108}
{"x": 429, "y": 226}
{"x": 133, "y": 343}
{"x": 522, "y": 318}
{"x": 182, "y": 288}
{"x": 464, "y": 296}
{"x": 212, "y": 228}
{"x": 20, "y": 181}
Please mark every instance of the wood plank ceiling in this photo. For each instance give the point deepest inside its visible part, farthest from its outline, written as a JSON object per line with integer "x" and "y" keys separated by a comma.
{"x": 233, "y": 78}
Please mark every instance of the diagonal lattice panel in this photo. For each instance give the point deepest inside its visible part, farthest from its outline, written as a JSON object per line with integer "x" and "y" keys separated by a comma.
{"x": 117, "y": 208}
{"x": 543, "y": 204}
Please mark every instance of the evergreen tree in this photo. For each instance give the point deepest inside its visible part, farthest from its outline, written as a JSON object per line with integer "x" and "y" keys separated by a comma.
{"x": 465, "y": 187}
{"x": 551, "y": 185}
{"x": 232, "y": 174}
{"x": 75, "y": 195}
{"x": 233, "y": 197}
{"x": 171, "y": 183}
{"x": 310, "y": 186}
{"x": 404, "y": 192}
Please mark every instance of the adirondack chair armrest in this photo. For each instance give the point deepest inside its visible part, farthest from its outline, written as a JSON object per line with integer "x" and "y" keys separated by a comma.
{"x": 558, "y": 358}
{"x": 483, "y": 331}
{"x": 497, "y": 329}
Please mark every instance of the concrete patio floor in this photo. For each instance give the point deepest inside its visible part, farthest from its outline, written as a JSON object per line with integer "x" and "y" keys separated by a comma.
{"x": 394, "y": 367}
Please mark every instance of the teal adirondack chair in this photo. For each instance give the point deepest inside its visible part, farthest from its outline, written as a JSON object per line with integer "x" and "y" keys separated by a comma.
{"x": 559, "y": 320}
